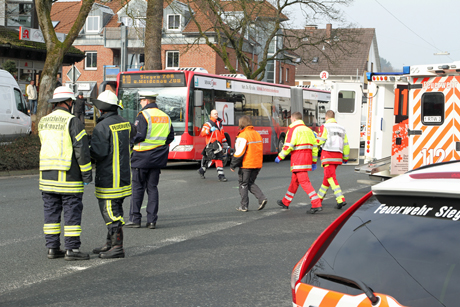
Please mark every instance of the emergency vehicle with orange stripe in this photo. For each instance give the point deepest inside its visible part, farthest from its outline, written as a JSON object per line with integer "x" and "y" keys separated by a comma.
{"x": 413, "y": 119}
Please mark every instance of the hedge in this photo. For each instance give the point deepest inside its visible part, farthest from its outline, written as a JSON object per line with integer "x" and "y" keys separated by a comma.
{"x": 21, "y": 154}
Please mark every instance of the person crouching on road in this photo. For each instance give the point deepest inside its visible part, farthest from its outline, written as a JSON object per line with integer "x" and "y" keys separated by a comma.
{"x": 301, "y": 143}
{"x": 249, "y": 157}
{"x": 110, "y": 149}
{"x": 216, "y": 146}
{"x": 151, "y": 148}
{"x": 65, "y": 167}
{"x": 336, "y": 151}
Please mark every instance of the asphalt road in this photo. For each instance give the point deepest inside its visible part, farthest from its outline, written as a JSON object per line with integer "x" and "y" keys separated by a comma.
{"x": 203, "y": 252}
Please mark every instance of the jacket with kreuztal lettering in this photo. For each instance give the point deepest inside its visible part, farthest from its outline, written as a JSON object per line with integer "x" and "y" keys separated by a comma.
{"x": 65, "y": 161}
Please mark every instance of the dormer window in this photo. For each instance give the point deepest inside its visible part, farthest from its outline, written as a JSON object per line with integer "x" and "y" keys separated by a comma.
{"x": 174, "y": 22}
{"x": 92, "y": 24}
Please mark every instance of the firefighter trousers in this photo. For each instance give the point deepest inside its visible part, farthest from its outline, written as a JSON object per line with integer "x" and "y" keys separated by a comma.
{"x": 144, "y": 179}
{"x": 72, "y": 206}
{"x": 112, "y": 213}
{"x": 330, "y": 180}
{"x": 246, "y": 182}
{"x": 302, "y": 179}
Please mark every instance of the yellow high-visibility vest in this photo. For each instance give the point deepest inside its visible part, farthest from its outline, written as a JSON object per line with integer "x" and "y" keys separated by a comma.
{"x": 56, "y": 144}
{"x": 159, "y": 127}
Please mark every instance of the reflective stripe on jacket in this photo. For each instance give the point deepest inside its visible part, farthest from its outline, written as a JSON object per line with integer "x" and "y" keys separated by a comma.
{"x": 216, "y": 135}
{"x": 56, "y": 144}
{"x": 248, "y": 149}
{"x": 110, "y": 148}
{"x": 301, "y": 143}
{"x": 335, "y": 143}
{"x": 159, "y": 126}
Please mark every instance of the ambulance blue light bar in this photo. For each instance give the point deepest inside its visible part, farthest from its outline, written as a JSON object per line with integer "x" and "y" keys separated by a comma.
{"x": 406, "y": 70}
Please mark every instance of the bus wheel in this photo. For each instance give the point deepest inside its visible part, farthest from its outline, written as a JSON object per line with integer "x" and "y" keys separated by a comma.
{"x": 281, "y": 143}
{"x": 228, "y": 157}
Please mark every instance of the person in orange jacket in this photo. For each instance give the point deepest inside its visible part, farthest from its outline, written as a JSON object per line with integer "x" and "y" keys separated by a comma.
{"x": 249, "y": 157}
{"x": 216, "y": 146}
{"x": 301, "y": 143}
{"x": 336, "y": 150}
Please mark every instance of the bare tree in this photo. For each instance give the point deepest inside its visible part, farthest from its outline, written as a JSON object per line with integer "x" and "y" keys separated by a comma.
{"x": 261, "y": 27}
{"x": 55, "y": 49}
{"x": 153, "y": 31}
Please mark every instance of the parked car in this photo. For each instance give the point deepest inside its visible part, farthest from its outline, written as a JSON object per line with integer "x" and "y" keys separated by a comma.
{"x": 14, "y": 118}
{"x": 399, "y": 245}
{"x": 89, "y": 112}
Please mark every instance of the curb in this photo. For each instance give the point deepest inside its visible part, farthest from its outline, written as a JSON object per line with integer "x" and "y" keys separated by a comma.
{"x": 19, "y": 172}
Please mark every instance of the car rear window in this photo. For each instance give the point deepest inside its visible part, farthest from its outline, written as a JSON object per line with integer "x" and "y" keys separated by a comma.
{"x": 405, "y": 247}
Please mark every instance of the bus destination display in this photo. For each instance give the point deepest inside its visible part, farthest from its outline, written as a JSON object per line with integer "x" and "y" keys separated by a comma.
{"x": 152, "y": 80}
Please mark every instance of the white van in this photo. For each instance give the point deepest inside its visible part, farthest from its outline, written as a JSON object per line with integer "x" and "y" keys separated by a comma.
{"x": 14, "y": 118}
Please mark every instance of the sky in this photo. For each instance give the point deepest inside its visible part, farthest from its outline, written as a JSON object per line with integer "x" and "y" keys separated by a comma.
{"x": 409, "y": 32}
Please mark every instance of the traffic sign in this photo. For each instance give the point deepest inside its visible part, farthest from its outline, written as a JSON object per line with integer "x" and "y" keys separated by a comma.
{"x": 73, "y": 74}
{"x": 324, "y": 75}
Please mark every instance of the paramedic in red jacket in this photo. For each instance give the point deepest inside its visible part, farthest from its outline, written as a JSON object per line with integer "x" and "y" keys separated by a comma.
{"x": 214, "y": 132}
{"x": 301, "y": 143}
{"x": 249, "y": 157}
{"x": 336, "y": 150}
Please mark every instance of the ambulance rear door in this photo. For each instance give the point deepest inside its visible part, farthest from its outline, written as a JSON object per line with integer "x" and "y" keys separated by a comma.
{"x": 346, "y": 100}
{"x": 434, "y": 115}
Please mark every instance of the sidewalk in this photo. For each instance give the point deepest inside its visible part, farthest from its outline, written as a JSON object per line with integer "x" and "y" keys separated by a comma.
{"x": 19, "y": 173}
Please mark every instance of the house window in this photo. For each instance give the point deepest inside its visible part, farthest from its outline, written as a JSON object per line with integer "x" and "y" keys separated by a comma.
{"x": 137, "y": 22}
{"x": 287, "y": 74}
{"x": 19, "y": 14}
{"x": 173, "y": 22}
{"x": 91, "y": 60}
{"x": 172, "y": 59}
{"x": 92, "y": 24}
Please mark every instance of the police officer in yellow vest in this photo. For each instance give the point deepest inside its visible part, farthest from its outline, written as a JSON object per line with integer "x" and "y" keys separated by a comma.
{"x": 65, "y": 167}
{"x": 150, "y": 153}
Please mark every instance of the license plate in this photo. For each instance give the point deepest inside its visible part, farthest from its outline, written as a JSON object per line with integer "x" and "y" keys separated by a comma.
{"x": 432, "y": 119}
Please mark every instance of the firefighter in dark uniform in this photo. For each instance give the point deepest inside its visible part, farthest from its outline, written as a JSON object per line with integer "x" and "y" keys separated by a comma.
{"x": 150, "y": 153}
{"x": 65, "y": 167}
{"x": 110, "y": 148}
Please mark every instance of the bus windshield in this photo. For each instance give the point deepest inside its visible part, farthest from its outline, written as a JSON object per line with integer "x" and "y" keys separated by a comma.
{"x": 171, "y": 100}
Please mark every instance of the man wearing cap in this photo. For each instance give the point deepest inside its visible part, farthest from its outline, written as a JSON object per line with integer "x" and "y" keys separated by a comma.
{"x": 150, "y": 153}
{"x": 65, "y": 167}
{"x": 79, "y": 108}
{"x": 110, "y": 149}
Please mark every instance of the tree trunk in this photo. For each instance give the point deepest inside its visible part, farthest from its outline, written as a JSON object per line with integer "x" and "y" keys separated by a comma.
{"x": 153, "y": 33}
{"x": 55, "y": 52}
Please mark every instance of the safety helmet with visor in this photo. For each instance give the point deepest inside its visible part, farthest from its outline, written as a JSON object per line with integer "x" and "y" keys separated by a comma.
{"x": 61, "y": 94}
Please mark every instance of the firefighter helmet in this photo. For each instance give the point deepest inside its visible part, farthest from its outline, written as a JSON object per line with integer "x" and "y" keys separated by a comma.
{"x": 61, "y": 94}
{"x": 107, "y": 101}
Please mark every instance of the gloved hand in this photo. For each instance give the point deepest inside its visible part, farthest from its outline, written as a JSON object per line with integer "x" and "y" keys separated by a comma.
{"x": 313, "y": 167}
{"x": 85, "y": 183}
{"x": 277, "y": 160}
{"x": 344, "y": 162}
{"x": 213, "y": 129}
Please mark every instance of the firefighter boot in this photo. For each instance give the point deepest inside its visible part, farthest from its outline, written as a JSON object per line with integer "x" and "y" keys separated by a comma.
{"x": 106, "y": 247}
{"x": 75, "y": 254}
{"x": 54, "y": 253}
{"x": 117, "y": 250}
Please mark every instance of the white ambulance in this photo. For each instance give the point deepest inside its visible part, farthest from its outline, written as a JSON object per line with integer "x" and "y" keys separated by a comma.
{"x": 14, "y": 118}
{"x": 413, "y": 119}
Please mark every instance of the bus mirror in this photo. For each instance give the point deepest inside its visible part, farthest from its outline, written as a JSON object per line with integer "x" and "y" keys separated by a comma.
{"x": 198, "y": 98}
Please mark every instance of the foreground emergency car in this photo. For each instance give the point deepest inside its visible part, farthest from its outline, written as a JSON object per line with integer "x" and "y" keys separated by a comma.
{"x": 397, "y": 246}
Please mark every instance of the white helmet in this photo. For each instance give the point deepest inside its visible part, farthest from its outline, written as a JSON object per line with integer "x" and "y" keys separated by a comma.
{"x": 106, "y": 101}
{"x": 147, "y": 95}
{"x": 62, "y": 93}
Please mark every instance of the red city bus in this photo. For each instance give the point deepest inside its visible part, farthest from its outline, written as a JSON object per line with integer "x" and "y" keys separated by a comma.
{"x": 188, "y": 97}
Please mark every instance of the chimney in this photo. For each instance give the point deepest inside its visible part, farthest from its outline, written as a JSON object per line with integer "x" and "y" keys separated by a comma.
{"x": 328, "y": 30}
{"x": 311, "y": 27}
